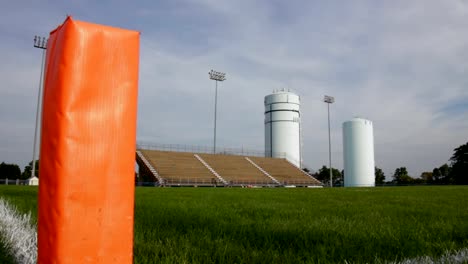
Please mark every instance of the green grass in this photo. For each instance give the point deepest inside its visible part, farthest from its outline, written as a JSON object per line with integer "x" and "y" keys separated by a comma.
{"x": 5, "y": 257}
{"x": 233, "y": 225}
{"x": 24, "y": 198}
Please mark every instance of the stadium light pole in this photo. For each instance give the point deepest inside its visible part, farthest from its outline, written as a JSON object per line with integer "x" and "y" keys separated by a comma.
{"x": 40, "y": 43}
{"x": 217, "y": 77}
{"x": 329, "y": 100}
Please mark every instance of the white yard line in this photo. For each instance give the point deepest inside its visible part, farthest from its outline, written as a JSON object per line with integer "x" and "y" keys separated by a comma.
{"x": 452, "y": 257}
{"x": 449, "y": 257}
{"x": 17, "y": 234}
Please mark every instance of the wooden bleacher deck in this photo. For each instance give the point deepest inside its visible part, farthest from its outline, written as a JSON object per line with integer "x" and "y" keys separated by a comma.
{"x": 184, "y": 169}
{"x": 236, "y": 170}
{"x": 179, "y": 168}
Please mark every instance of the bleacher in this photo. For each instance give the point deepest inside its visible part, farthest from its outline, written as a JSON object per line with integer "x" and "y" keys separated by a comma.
{"x": 185, "y": 169}
{"x": 285, "y": 172}
{"x": 179, "y": 168}
{"x": 236, "y": 170}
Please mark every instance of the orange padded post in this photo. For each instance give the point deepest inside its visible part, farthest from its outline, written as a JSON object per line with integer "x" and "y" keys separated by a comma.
{"x": 86, "y": 191}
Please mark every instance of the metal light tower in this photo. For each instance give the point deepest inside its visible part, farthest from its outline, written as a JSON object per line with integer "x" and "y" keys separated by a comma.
{"x": 329, "y": 100}
{"x": 217, "y": 76}
{"x": 40, "y": 43}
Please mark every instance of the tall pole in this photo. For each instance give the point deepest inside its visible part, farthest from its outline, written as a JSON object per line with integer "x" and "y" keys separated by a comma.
{"x": 216, "y": 103}
{"x": 216, "y": 76}
{"x": 329, "y": 100}
{"x": 329, "y": 148}
{"x": 40, "y": 43}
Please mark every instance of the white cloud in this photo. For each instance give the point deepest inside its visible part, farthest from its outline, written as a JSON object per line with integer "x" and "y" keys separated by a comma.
{"x": 400, "y": 64}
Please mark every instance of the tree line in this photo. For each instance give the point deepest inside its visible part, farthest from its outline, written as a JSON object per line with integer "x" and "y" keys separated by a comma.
{"x": 454, "y": 173}
{"x": 13, "y": 171}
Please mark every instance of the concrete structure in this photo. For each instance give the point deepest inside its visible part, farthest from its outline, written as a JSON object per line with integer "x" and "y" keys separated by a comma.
{"x": 283, "y": 126}
{"x": 358, "y": 153}
{"x": 33, "y": 181}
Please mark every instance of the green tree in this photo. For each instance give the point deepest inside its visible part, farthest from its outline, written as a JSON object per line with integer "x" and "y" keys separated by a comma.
{"x": 442, "y": 174}
{"x": 401, "y": 176}
{"x": 445, "y": 173}
{"x": 427, "y": 176}
{"x": 10, "y": 171}
{"x": 436, "y": 175}
{"x": 379, "y": 176}
{"x": 459, "y": 159}
{"x": 28, "y": 169}
{"x": 323, "y": 175}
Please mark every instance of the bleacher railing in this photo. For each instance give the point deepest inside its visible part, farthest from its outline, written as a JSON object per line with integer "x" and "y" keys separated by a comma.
{"x": 213, "y": 182}
{"x": 206, "y": 149}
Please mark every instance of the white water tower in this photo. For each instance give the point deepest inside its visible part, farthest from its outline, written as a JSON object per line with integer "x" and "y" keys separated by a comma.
{"x": 358, "y": 153}
{"x": 282, "y": 126}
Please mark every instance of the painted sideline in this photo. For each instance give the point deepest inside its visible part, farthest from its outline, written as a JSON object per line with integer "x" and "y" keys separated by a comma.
{"x": 459, "y": 256}
{"x": 17, "y": 234}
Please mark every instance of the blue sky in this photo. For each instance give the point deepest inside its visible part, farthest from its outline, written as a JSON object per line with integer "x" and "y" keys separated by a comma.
{"x": 401, "y": 64}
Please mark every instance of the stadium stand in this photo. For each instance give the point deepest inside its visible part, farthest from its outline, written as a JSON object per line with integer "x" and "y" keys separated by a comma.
{"x": 185, "y": 169}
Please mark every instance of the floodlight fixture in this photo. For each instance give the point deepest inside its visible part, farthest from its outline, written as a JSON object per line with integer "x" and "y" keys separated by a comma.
{"x": 217, "y": 76}
{"x": 329, "y": 99}
{"x": 40, "y": 42}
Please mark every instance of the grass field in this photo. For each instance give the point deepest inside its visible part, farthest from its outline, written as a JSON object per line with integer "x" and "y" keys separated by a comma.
{"x": 233, "y": 225}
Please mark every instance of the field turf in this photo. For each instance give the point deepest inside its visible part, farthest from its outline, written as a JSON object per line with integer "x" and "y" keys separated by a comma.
{"x": 234, "y": 225}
